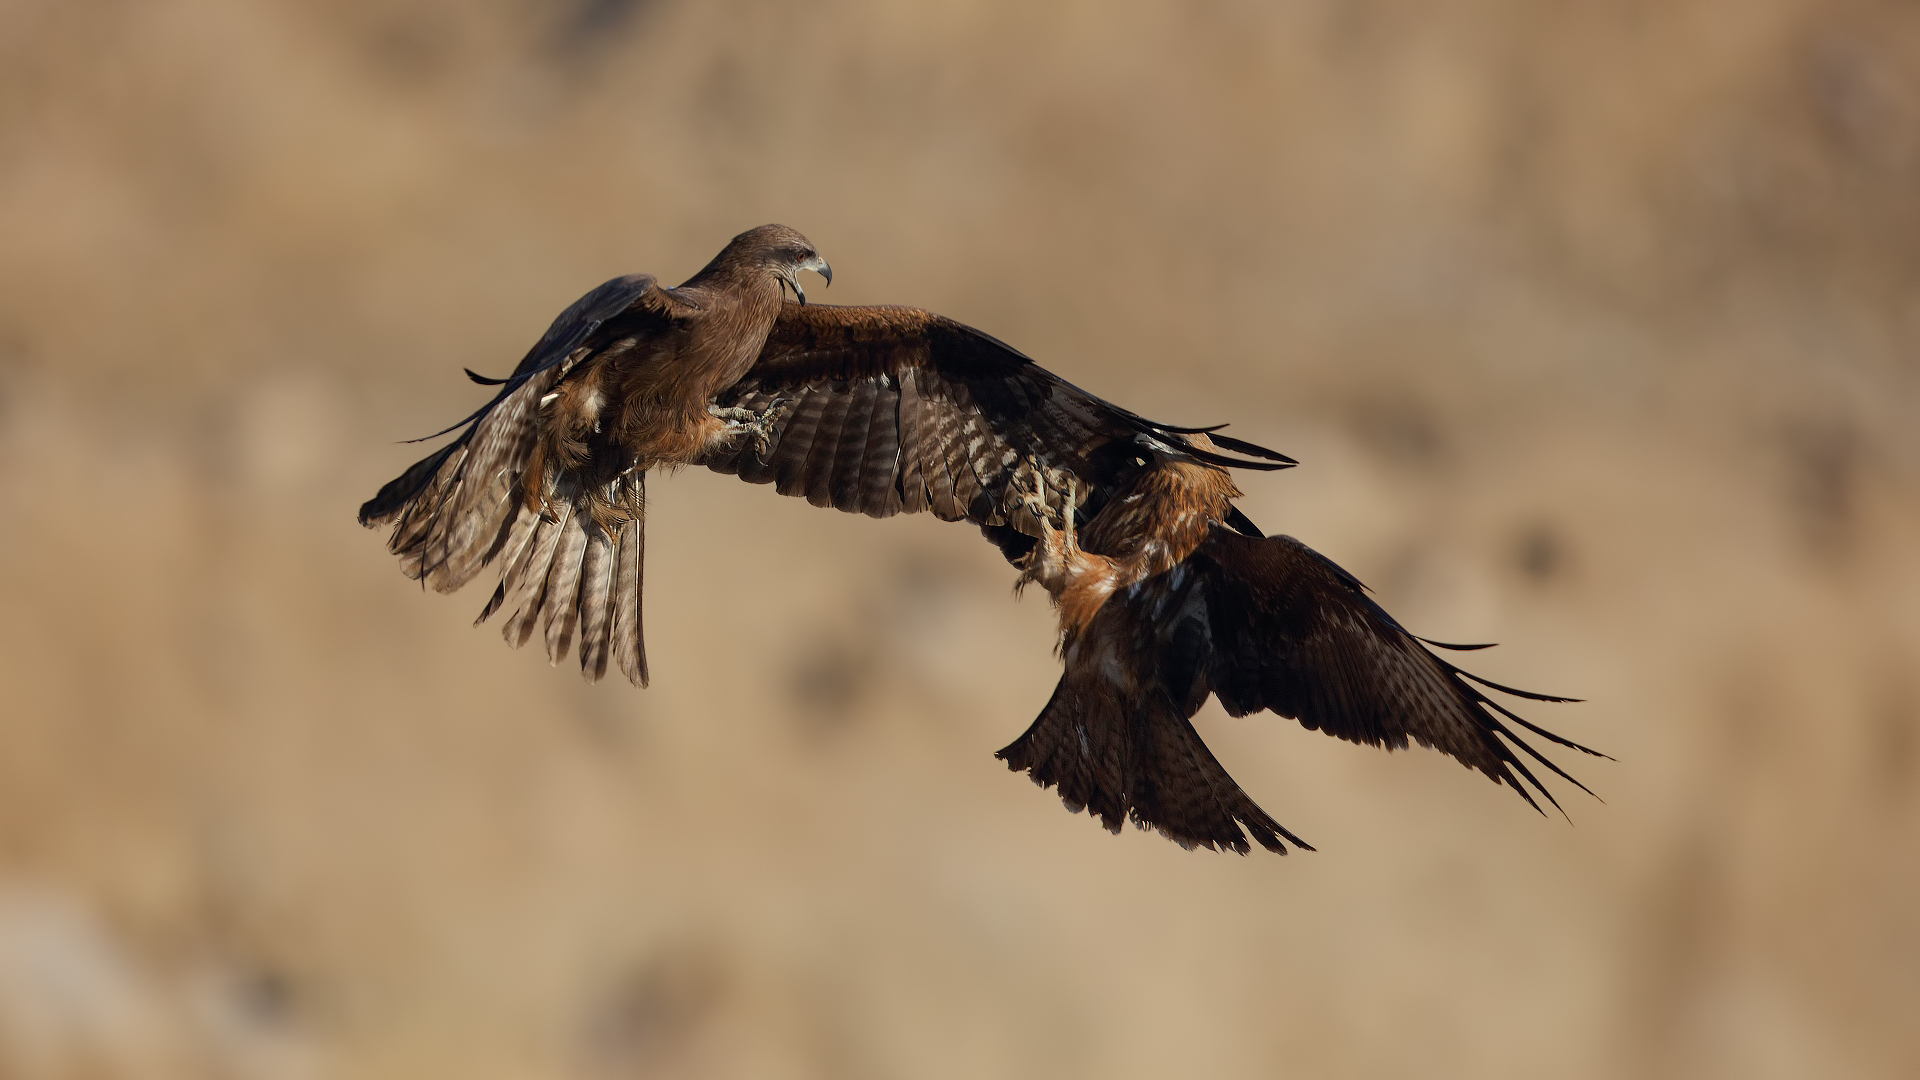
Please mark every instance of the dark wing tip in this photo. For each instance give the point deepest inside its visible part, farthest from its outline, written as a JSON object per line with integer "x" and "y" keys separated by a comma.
{"x": 392, "y": 498}
{"x": 1241, "y": 446}
{"x": 1260, "y": 459}
{"x": 1470, "y": 729}
{"x": 1240, "y": 523}
{"x": 1545, "y": 734}
{"x": 1208, "y": 430}
{"x": 1528, "y": 694}
{"x": 1273, "y": 464}
{"x": 1464, "y": 648}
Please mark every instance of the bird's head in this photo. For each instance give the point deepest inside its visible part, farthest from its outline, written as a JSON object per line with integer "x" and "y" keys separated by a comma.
{"x": 778, "y": 251}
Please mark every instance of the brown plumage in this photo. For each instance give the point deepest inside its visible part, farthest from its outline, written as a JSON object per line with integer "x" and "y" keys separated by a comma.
{"x": 1167, "y": 594}
{"x": 549, "y": 478}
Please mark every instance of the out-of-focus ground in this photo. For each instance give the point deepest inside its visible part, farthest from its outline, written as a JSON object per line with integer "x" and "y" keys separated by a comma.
{"x": 1596, "y": 328}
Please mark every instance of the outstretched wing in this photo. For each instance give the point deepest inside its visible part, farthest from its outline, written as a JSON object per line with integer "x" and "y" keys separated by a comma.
{"x": 464, "y": 506}
{"x": 897, "y": 410}
{"x": 1292, "y": 632}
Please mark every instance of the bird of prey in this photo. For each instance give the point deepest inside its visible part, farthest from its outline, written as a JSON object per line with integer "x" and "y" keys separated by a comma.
{"x": 1166, "y": 593}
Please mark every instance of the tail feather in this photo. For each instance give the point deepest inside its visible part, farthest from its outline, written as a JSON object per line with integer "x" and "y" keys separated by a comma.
{"x": 459, "y": 553}
{"x": 1187, "y": 793}
{"x": 526, "y": 595}
{"x": 1074, "y": 747}
{"x": 562, "y": 572}
{"x": 568, "y": 578}
{"x": 487, "y": 498}
{"x": 1115, "y": 739}
{"x": 423, "y": 522}
{"x": 397, "y": 495}
{"x": 449, "y": 509}
{"x": 629, "y": 648}
{"x": 596, "y": 604}
{"x": 561, "y": 608}
{"x": 516, "y": 547}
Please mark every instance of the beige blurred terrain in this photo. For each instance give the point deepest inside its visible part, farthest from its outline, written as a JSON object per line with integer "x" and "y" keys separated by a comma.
{"x": 1596, "y": 328}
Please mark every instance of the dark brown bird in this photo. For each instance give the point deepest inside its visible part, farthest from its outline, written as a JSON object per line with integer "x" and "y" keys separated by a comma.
{"x": 1166, "y": 592}
{"x": 549, "y": 478}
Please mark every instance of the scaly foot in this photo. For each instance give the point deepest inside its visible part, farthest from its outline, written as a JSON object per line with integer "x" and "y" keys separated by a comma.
{"x": 1028, "y": 487}
{"x": 756, "y": 426}
{"x": 1056, "y": 550}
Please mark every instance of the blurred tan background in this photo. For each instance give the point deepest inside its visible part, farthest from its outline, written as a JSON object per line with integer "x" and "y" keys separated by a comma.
{"x": 1595, "y": 327}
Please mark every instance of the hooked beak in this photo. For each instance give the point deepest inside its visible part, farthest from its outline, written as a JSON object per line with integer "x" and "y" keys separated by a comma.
{"x": 816, "y": 264}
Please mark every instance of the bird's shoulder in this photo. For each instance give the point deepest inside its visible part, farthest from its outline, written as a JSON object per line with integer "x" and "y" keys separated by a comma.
{"x": 871, "y": 339}
{"x": 650, "y": 299}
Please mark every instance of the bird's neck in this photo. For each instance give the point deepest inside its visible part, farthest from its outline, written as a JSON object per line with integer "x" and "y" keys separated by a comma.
{"x": 725, "y": 272}
{"x": 753, "y": 288}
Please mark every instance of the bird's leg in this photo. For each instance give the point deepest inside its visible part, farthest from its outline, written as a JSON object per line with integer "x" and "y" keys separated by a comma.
{"x": 1036, "y": 501}
{"x": 757, "y": 426}
{"x": 1069, "y": 510}
{"x": 1047, "y": 564}
{"x": 1078, "y": 581}
{"x": 1029, "y": 491}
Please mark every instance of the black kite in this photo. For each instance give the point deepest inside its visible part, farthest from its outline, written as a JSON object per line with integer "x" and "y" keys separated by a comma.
{"x": 1166, "y": 592}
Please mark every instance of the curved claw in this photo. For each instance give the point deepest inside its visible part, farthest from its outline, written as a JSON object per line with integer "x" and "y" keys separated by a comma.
{"x": 762, "y": 427}
{"x": 1030, "y": 485}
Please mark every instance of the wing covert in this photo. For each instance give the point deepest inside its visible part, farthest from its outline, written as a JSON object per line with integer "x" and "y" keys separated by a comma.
{"x": 897, "y": 410}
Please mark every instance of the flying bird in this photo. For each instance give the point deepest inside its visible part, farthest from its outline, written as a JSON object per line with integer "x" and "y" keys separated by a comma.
{"x": 1166, "y": 593}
